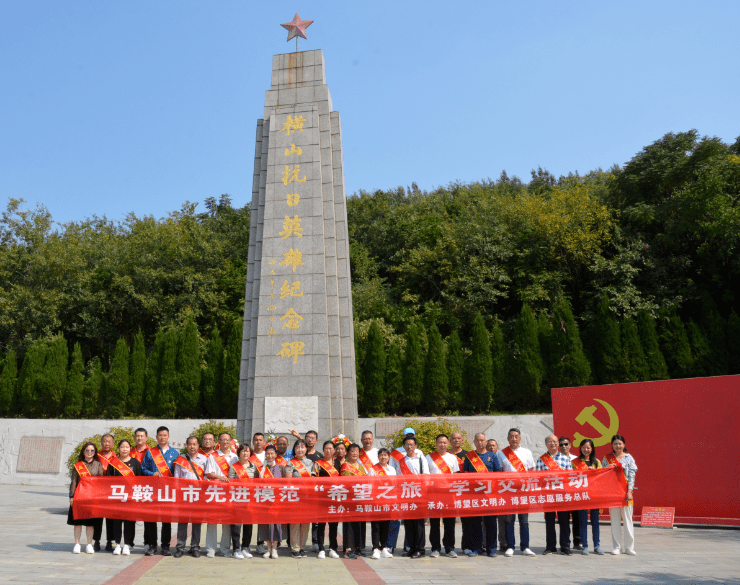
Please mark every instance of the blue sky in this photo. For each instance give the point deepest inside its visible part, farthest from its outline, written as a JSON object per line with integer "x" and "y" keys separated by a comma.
{"x": 114, "y": 107}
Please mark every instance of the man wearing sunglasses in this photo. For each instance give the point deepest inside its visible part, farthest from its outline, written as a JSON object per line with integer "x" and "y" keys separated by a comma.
{"x": 564, "y": 445}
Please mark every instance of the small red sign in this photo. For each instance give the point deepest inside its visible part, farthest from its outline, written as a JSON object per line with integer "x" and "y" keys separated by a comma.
{"x": 652, "y": 516}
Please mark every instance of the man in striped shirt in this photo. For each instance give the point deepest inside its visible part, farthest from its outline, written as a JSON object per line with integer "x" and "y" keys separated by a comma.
{"x": 554, "y": 460}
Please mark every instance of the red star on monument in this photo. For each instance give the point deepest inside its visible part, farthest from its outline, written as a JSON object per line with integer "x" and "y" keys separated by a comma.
{"x": 297, "y": 28}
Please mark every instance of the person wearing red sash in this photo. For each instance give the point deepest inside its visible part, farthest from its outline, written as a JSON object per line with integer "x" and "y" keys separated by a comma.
{"x": 281, "y": 444}
{"x": 517, "y": 458}
{"x": 493, "y": 447}
{"x": 302, "y": 467}
{"x": 207, "y": 445}
{"x": 588, "y": 460}
{"x": 622, "y": 543}
{"x": 158, "y": 461}
{"x": 554, "y": 460}
{"x": 481, "y": 461}
{"x": 441, "y": 462}
{"x": 380, "y": 529}
{"x": 122, "y": 466}
{"x": 564, "y": 447}
{"x": 140, "y": 444}
{"x": 217, "y": 468}
{"x": 272, "y": 534}
{"x": 324, "y": 467}
{"x": 189, "y": 466}
{"x": 414, "y": 464}
{"x": 105, "y": 453}
{"x": 312, "y": 439}
{"x": 258, "y": 459}
{"x": 242, "y": 470}
{"x": 352, "y": 531}
{"x": 87, "y": 466}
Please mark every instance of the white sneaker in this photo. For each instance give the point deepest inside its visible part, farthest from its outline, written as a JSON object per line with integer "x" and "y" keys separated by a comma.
{"x": 246, "y": 553}
{"x": 274, "y": 555}
{"x": 90, "y": 550}
{"x": 376, "y": 554}
{"x": 117, "y": 550}
{"x": 631, "y": 551}
{"x": 322, "y": 554}
{"x": 126, "y": 550}
{"x": 266, "y": 555}
{"x": 238, "y": 554}
{"x": 528, "y": 553}
{"x": 333, "y": 554}
{"x": 616, "y": 551}
{"x": 509, "y": 552}
{"x": 76, "y": 549}
{"x": 210, "y": 554}
{"x": 385, "y": 554}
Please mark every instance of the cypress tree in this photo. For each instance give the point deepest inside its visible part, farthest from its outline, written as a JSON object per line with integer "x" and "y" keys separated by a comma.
{"x": 188, "y": 369}
{"x": 374, "y": 372}
{"x": 544, "y": 336}
{"x": 608, "y": 348}
{"x": 117, "y": 381}
{"x": 525, "y": 362}
{"x": 359, "y": 366}
{"x": 213, "y": 376}
{"x": 714, "y": 329}
{"x": 701, "y": 352}
{"x": 93, "y": 387}
{"x": 436, "y": 393}
{"x": 137, "y": 378}
{"x": 153, "y": 371}
{"x": 75, "y": 384}
{"x": 168, "y": 378}
{"x": 498, "y": 359}
{"x": 656, "y": 366}
{"x": 29, "y": 402}
{"x": 733, "y": 342}
{"x": 393, "y": 380}
{"x": 7, "y": 385}
{"x": 413, "y": 371}
{"x": 480, "y": 368}
{"x": 455, "y": 371}
{"x": 569, "y": 364}
{"x": 232, "y": 366}
{"x": 52, "y": 383}
{"x": 635, "y": 364}
{"x": 674, "y": 343}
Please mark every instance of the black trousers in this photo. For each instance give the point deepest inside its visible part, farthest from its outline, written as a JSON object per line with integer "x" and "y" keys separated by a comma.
{"x": 182, "y": 536}
{"x": 320, "y": 532}
{"x": 150, "y": 533}
{"x": 448, "y": 541}
{"x": 476, "y": 533}
{"x": 117, "y": 528}
{"x": 415, "y": 534}
{"x": 351, "y": 533}
{"x": 564, "y": 524}
{"x": 379, "y": 534}
{"x": 245, "y": 530}
{"x": 98, "y": 532}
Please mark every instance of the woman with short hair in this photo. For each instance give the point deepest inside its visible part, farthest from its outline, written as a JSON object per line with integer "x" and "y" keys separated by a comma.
{"x": 302, "y": 467}
{"x": 124, "y": 465}
{"x": 87, "y": 466}
{"x": 623, "y": 514}
{"x": 243, "y": 470}
{"x": 588, "y": 460}
{"x": 353, "y": 530}
{"x": 272, "y": 534}
{"x": 324, "y": 467}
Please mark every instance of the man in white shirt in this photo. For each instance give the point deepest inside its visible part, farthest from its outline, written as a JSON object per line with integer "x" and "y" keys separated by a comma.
{"x": 414, "y": 465}
{"x": 189, "y": 466}
{"x": 258, "y": 453}
{"x": 516, "y": 458}
{"x": 368, "y": 440}
{"x": 442, "y": 462}
{"x": 217, "y": 467}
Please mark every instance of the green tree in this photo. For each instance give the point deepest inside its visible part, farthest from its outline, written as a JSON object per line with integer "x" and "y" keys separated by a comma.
{"x": 714, "y": 330}
{"x": 455, "y": 371}
{"x": 52, "y": 383}
{"x": 7, "y": 385}
{"x": 569, "y": 364}
{"x": 635, "y": 364}
{"x": 701, "y": 352}
{"x": 733, "y": 342}
{"x": 93, "y": 389}
{"x": 374, "y": 372}
{"x": 29, "y": 378}
{"x": 609, "y": 363}
{"x": 525, "y": 362}
{"x": 674, "y": 343}
{"x": 393, "y": 380}
{"x": 426, "y": 433}
{"x": 117, "y": 382}
{"x": 213, "y": 376}
{"x": 137, "y": 378}
{"x": 413, "y": 371}
{"x": 436, "y": 390}
{"x": 232, "y": 369}
{"x": 75, "y": 384}
{"x": 168, "y": 376}
{"x": 656, "y": 366}
{"x": 498, "y": 360}
{"x": 480, "y": 368}
{"x": 188, "y": 368}
{"x": 153, "y": 372}
{"x": 359, "y": 366}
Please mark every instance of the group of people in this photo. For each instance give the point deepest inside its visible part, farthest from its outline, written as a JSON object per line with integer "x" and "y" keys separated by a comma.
{"x": 211, "y": 458}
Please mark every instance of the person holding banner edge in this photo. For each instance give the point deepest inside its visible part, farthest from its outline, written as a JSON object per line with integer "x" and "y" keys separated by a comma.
{"x": 554, "y": 460}
{"x": 87, "y": 465}
{"x": 622, "y": 543}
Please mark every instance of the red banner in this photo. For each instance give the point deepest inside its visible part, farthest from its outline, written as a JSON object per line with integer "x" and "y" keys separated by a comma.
{"x": 346, "y": 499}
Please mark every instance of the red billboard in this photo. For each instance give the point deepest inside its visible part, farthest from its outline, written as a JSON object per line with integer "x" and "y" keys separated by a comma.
{"x": 683, "y": 435}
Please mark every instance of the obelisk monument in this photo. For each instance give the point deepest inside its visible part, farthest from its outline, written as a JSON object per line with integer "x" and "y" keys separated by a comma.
{"x": 298, "y": 357}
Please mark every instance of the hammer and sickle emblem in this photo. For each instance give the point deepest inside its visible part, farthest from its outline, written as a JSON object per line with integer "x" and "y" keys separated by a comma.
{"x": 587, "y": 416}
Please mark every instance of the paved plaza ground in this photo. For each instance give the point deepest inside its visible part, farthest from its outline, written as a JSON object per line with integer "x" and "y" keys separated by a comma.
{"x": 38, "y": 546}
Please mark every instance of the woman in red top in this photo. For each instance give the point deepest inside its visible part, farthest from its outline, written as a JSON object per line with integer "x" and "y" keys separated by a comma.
{"x": 87, "y": 465}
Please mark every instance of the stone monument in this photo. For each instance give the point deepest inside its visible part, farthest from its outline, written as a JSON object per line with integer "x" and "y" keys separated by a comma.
{"x": 298, "y": 355}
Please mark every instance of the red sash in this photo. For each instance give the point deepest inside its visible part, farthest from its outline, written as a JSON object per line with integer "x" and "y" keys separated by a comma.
{"x": 476, "y": 462}
{"x": 240, "y": 470}
{"x": 185, "y": 464}
{"x": 328, "y": 467}
{"x": 365, "y": 460}
{"x": 256, "y": 461}
{"x": 207, "y": 455}
{"x": 268, "y": 472}
{"x": 82, "y": 469}
{"x": 221, "y": 462}
{"x": 612, "y": 459}
{"x": 352, "y": 469}
{"x": 401, "y": 459}
{"x": 513, "y": 458}
{"x": 120, "y": 466}
{"x": 460, "y": 460}
{"x": 379, "y": 469}
{"x": 440, "y": 462}
{"x": 579, "y": 463}
{"x": 298, "y": 464}
{"x": 105, "y": 459}
{"x": 139, "y": 455}
{"x": 160, "y": 462}
{"x": 551, "y": 464}
{"x": 280, "y": 460}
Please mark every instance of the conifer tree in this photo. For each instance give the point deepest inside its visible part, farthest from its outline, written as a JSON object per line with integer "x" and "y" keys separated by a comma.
{"x": 93, "y": 387}
{"x": 153, "y": 371}
{"x": 635, "y": 364}
{"x": 374, "y": 372}
{"x": 52, "y": 383}
{"x": 733, "y": 343}
{"x": 232, "y": 370}
{"x": 188, "y": 369}
{"x": 75, "y": 384}
{"x": 413, "y": 371}
{"x": 137, "y": 377}
{"x": 714, "y": 330}
{"x": 544, "y": 336}
{"x": 436, "y": 390}
{"x": 359, "y": 366}
{"x": 7, "y": 385}
{"x": 117, "y": 381}
{"x": 608, "y": 359}
{"x": 701, "y": 352}
{"x": 393, "y": 380}
{"x": 570, "y": 366}
{"x": 479, "y": 392}
{"x": 455, "y": 371}
{"x": 29, "y": 404}
{"x": 168, "y": 378}
{"x": 525, "y": 362}
{"x": 213, "y": 376}
{"x": 656, "y": 366}
{"x": 498, "y": 360}
{"x": 674, "y": 343}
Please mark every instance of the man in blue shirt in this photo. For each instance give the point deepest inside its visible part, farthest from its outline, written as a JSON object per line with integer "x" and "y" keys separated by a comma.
{"x": 553, "y": 460}
{"x": 472, "y": 464}
{"x": 150, "y": 467}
